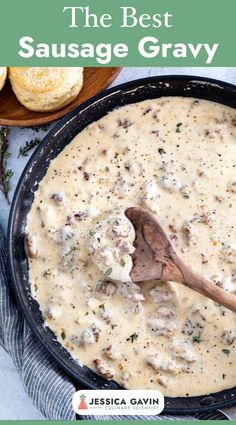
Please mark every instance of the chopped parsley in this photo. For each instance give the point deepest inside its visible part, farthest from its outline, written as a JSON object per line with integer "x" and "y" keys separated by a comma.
{"x": 133, "y": 337}
{"x": 107, "y": 169}
{"x": 63, "y": 335}
{"x": 161, "y": 151}
{"x": 109, "y": 271}
{"x": 178, "y": 127}
{"x": 92, "y": 232}
{"x": 225, "y": 351}
{"x": 122, "y": 262}
{"x": 197, "y": 338}
{"x": 113, "y": 326}
{"x": 102, "y": 306}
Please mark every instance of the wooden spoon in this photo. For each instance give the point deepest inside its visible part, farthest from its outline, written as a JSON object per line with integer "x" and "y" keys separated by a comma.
{"x": 155, "y": 258}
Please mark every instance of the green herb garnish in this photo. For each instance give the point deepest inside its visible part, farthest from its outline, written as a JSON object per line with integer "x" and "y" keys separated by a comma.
{"x": 133, "y": 337}
{"x": 197, "y": 338}
{"x": 23, "y": 151}
{"x": 86, "y": 314}
{"x": 185, "y": 196}
{"x": 107, "y": 169}
{"x": 113, "y": 326}
{"x": 102, "y": 306}
{"x": 161, "y": 151}
{"x": 122, "y": 262}
{"x": 92, "y": 232}
{"x": 109, "y": 271}
{"x": 225, "y": 351}
{"x": 178, "y": 127}
{"x": 5, "y": 173}
{"x": 63, "y": 335}
{"x": 7, "y": 176}
{"x": 37, "y": 128}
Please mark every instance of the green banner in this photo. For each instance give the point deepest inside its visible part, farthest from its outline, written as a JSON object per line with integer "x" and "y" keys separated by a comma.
{"x": 114, "y": 422}
{"x": 117, "y": 33}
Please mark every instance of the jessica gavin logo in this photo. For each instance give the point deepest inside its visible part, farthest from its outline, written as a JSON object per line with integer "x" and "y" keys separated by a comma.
{"x": 105, "y": 402}
{"x": 82, "y": 404}
{"x": 116, "y": 401}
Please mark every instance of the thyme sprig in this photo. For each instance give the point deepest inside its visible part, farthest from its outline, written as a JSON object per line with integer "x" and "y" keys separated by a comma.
{"x": 5, "y": 172}
{"x": 23, "y": 151}
{"x": 37, "y": 128}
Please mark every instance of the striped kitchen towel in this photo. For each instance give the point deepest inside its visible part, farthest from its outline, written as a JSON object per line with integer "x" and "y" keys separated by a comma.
{"x": 50, "y": 389}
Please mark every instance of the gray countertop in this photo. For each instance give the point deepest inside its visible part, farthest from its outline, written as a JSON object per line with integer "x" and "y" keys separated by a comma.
{"x": 14, "y": 402}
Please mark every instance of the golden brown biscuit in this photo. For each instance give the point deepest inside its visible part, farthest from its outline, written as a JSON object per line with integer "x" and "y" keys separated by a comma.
{"x": 3, "y": 76}
{"x": 46, "y": 89}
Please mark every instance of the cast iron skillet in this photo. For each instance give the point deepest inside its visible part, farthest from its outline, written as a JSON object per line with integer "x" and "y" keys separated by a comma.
{"x": 54, "y": 142}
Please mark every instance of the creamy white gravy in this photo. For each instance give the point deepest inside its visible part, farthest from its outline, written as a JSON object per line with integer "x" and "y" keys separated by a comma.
{"x": 177, "y": 158}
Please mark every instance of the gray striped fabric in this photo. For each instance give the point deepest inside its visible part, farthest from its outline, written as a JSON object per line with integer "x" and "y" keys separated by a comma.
{"x": 47, "y": 385}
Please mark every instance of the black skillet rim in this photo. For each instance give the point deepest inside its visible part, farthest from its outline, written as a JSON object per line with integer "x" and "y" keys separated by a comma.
{"x": 29, "y": 308}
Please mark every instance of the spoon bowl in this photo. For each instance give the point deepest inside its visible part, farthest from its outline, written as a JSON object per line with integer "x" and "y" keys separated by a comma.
{"x": 156, "y": 259}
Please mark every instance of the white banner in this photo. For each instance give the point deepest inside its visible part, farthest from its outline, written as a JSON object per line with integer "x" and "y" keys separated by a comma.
{"x": 118, "y": 402}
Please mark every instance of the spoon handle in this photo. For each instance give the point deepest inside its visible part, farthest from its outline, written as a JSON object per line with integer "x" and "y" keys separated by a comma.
{"x": 203, "y": 286}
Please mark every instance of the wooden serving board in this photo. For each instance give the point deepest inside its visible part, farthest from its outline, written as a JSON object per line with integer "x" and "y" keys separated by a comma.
{"x": 12, "y": 113}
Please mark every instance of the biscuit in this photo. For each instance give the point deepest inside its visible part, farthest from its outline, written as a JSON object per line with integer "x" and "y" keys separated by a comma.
{"x": 46, "y": 89}
{"x": 3, "y": 76}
